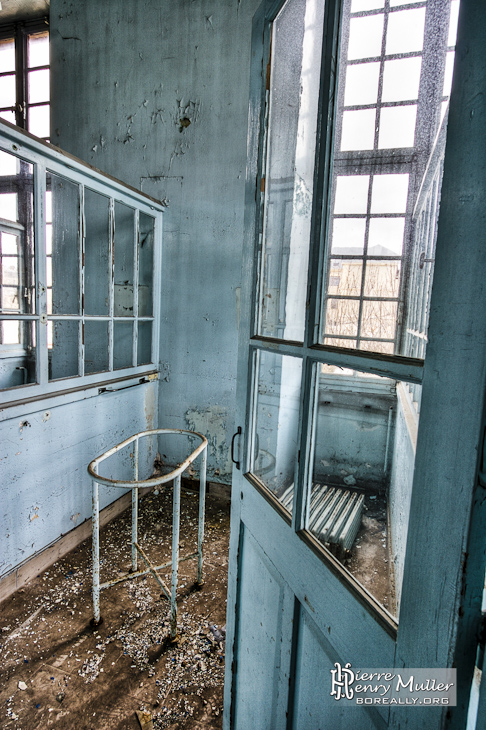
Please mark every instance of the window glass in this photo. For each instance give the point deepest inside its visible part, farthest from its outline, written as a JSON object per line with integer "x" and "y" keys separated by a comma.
{"x": 97, "y": 272}
{"x": 145, "y": 264}
{"x": 392, "y": 89}
{"x": 288, "y": 175}
{"x": 62, "y": 234}
{"x": 276, "y": 423}
{"x": 364, "y": 454}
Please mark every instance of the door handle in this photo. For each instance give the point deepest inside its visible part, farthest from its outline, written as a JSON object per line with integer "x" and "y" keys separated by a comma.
{"x": 238, "y": 433}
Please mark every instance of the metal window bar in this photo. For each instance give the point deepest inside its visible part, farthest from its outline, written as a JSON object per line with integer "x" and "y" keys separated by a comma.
{"x": 175, "y": 477}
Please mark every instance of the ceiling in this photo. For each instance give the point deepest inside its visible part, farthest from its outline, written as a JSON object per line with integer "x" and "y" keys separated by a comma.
{"x": 11, "y": 10}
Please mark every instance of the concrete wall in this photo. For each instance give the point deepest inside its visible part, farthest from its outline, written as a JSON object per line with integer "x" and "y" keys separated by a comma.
{"x": 157, "y": 94}
{"x": 45, "y": 449}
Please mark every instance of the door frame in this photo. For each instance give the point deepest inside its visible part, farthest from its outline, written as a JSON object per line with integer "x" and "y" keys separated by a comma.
{"x": 440, "y": 609}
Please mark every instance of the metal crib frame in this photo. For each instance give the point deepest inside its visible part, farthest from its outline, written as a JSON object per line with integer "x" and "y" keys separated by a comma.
{"x": 134, "y": 485}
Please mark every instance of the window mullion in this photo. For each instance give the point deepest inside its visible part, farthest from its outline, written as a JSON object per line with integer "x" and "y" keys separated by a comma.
{"x": 136, "y": 254}
{"x": 111, "y": 258}
{"x": 82, "y": 248}
{"x": 42, "y": 359}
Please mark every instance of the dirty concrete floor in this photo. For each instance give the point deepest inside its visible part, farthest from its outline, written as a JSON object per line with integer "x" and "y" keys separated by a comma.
{"x": 57, "y": 671}
{"x": 370, "y": 561}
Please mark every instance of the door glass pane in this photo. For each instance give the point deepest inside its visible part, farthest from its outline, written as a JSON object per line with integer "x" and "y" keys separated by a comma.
{"x": 97, "y": 254}
{"x": 95, "y": 346}
{"x": 62, "y": 238}
{"x": 63, "y": 353}
{"x": 276, "y": 423}
{"x": 145, "y": 264}
{"x": 393, "y": 81}
{"x": 364, "y": 454}
{"x": 124, "y": 259}
{"x": 294, "y": 91}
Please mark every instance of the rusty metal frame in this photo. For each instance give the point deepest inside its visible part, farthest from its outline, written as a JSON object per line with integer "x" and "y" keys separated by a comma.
{"x": 175, "y": 477}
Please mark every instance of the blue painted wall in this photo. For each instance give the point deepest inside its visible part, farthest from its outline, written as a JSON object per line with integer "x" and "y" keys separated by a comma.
{"x": 158, "y": 96}
{"x": 44, "y": 452}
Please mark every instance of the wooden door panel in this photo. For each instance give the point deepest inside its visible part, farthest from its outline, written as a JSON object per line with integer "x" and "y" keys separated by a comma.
{"x": 263, "y": 640}
{"x": 314, "y": 709}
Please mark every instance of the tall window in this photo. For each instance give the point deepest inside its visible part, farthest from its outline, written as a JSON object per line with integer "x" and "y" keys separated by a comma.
{"x": 24, "y": 76}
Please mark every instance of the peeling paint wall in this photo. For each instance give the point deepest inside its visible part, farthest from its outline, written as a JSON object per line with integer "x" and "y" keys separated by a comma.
{"x": 45, "y": 488}
{"x": 156, "y": 93}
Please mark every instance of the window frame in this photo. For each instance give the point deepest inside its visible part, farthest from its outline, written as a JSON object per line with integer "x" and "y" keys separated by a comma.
{"x": 19, "y": 32}
{"x": 45, "y": 158}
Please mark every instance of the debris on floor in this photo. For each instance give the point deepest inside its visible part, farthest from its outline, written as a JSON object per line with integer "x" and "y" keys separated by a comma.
{"x": 125, "y": 674}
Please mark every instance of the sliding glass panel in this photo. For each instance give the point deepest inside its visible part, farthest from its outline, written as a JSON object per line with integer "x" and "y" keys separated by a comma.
{"x": 64, "y": 351}
{"x": 364, "y": 454}
{"x": 124, "y": 259}
{"x": 395, "y": 70}
{"x": 276, "y": 423}
{"x": 97, "y": 271}
{"x": 62, "y": 244}
{"x": 288, "y": 177}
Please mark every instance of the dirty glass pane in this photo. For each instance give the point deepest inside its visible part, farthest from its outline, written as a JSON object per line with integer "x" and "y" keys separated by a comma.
{"x": 38, "y": 49}
{"x": 17, "y": 342}
{"x": 16, "y": 236}
{"x": 97, "y": 254}
{"x": 145, "y": 264}
{"x": 393, "y": 83}
{"x": 276, "y": 423}
{"x": 144, "y": 355}
{"x": 358, "y": 507}
{"x": 63, "y": 354}
{"x": 62, "y": 239}
{"x": 122, "y": 345}
{"x": 124, "y": 259}
{"x": 288, "y": 184}
{"x": 95, "y": 346}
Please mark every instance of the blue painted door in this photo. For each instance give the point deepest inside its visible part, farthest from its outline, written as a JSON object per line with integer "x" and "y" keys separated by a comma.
{"x": 361, "y": 385}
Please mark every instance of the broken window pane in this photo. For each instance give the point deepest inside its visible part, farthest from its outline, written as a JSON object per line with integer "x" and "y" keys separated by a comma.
{"x": 364, "y": 456}
{"x": 276, "y": 423}
{"x": 288, "y": 177}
